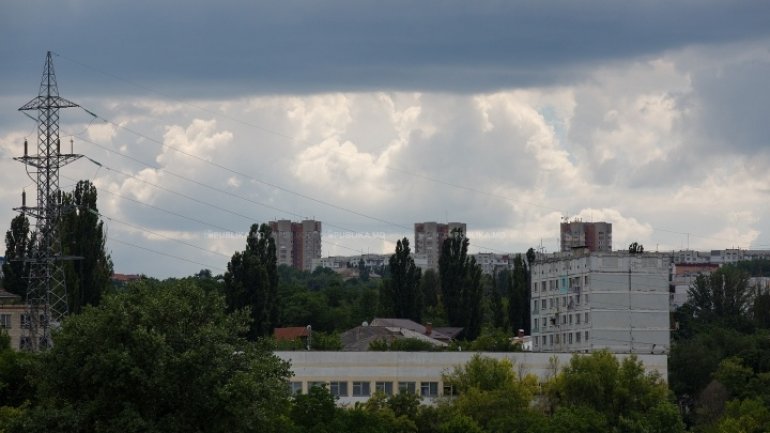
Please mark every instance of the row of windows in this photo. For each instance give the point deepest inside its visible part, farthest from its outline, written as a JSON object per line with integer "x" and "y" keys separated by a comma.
{"x": 573, "y": 283}
{"x": 364, "y": 388}
{"x": 571, "y": 301}
{"x": 562, "y": 319}
{"x": 558, "y": 339}
{"x": 6, "y": 320}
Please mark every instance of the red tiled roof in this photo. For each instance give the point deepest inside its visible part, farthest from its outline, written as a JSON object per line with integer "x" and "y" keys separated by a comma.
{"x": 291, "y": 333}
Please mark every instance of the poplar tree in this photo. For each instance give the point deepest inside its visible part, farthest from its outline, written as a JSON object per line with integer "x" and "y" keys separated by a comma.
{"x": 403, "y": 286}
{"x": 251, "y": 281}
{"x": 460, "y": 284}
{"x": 17, "y": 246}
{"x": 83, "y": 239}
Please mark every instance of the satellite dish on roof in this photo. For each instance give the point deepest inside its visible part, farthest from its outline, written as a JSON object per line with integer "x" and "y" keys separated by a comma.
{"x": 365, "y": 323}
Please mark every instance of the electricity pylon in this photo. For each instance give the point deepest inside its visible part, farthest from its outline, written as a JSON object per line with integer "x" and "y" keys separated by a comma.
{"x": 46, "y": 290}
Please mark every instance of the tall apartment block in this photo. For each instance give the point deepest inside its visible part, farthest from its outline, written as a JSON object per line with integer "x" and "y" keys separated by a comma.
{"x": 297, "y": 243}
{"x": 584, "y": 301}
{"x": 596, "y": 236}
{"x": 428, "y": 239}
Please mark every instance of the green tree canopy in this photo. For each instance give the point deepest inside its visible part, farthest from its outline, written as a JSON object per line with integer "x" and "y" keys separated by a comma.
{"x": 251, "y": 281}
{"x": 722, "y": 295}
{"x": 461, "y": 285}
{"x": 158, "y": 357}
{"x": 629, "y": 399}
{"x": 401, "y": 290}
{"x": 83, "y": 237}
{"x": 17, "y": 246}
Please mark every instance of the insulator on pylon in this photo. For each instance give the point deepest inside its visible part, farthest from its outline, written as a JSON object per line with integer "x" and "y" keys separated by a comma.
{"x": 58, "y": 196}
{"x": 24, "y": 199}
{"x": 58, "y": 146}
{"x": 72, "y": 146}
{"x": 25, "y": 147}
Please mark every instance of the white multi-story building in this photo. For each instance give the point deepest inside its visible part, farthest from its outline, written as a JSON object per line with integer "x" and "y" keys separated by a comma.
{"x": 585, "y": 301}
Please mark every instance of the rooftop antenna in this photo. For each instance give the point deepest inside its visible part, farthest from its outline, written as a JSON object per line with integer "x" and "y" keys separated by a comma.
{"x": 46, "y": 290}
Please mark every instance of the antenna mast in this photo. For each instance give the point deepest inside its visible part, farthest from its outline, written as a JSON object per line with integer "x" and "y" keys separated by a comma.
{"x": 46, "y": 290}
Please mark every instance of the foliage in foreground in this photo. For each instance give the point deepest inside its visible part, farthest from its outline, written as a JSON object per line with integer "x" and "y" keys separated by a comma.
{"x": 157, "y": 357}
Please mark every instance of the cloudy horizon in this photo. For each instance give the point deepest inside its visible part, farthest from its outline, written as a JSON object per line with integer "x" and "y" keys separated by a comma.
{"x": 372, "y": 116}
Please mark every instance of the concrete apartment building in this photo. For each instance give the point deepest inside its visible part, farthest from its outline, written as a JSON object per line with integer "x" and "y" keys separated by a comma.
{"x": 584, "y": 301}
{"x": 297, "y": 243}
{"x": 428, "y": 239}
{"x": 596, "y": 236}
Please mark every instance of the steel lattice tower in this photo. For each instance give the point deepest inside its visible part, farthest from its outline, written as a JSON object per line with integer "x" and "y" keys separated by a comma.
{"x": 46, "y": 290}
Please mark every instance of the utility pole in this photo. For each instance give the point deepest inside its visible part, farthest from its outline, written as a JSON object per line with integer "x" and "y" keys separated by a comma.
{"x": 46, "y": 293}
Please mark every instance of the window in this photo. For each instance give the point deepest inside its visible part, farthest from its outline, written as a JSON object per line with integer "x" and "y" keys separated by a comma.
{"x": 570, "y": 337}
{"x": 295, "y": 388}
{"x": 25, "y": 343}
{"x": 570, "y": 319}
{"x": 577, "y": 337}
{"x": 361, "y": 389}
{"x": 338, "y": 389}
{"x": 563, "y": 320}
{"x": 588, "y": 318}
{"x": 384, "y": 387}
{"x": 536, "y": 322}
{"x": 429, "y": 389}
{"x": 406, "y": 387}
{"x": 5, "y": 321}
{"x": 542, "y": 304}
{"x": 586, "y": 334}
{"x": 577, "y": 319}
{"x": 25, "y": 320}
{"x": 448, "y": 390}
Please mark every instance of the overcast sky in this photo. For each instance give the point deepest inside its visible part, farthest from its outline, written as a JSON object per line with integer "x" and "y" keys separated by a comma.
{"x": 373, "y": 115}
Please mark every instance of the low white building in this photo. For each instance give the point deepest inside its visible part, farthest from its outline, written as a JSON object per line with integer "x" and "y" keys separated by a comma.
{"x": 354, "y": 376}
{"x": 584, "y": 301}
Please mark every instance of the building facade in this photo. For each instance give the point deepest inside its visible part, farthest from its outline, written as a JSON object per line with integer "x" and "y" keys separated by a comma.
{"x": 584, "y": 301}
{"x": 596, "y": 236}
{"x": 353, "y": 377}
{"x": 428, "y": 239}
{"x": 297, "y": 243}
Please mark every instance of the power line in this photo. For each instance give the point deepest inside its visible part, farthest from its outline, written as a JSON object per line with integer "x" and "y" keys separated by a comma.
{"x": 166, "y": 254}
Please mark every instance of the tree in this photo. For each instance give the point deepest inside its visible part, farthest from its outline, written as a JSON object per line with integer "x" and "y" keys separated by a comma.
{"x": 17, "y": 246}
{"x": 621, "y": 392}
{"x": 403, "y": 286}
{"x": 251, "y": 281}
{"x": 489, "y": 390}
{"x": 158, "y": 357}
{"x": 635, "y": 248}
{"x": 460, "y": 284}
{"x": 83, "y": 236}
{"x": 518, "y": 296}
{"x": 496, "y": 305}
{"x": 363, "y": 271}
{"x": 722, "y": 295}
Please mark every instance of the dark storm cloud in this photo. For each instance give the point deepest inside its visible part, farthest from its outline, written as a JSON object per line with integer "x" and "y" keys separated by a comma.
{"x": 205, "y": 48}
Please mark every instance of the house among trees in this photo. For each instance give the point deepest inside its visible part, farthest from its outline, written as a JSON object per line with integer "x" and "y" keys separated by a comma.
{"x": 296, "y": 336}
{"x": 383, "y": 334}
